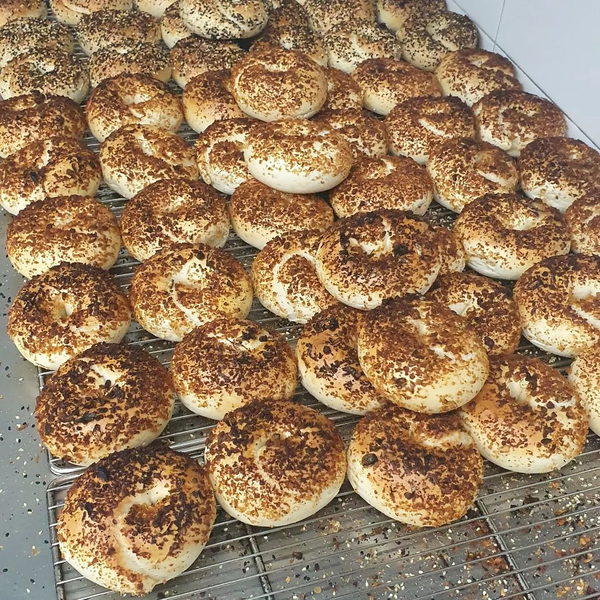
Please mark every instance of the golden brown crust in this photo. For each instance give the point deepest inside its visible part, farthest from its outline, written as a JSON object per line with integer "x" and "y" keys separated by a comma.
{"x": 511, "y": 119}
{"x": 76, "y": 229}
{"x": 172, "y": 211}
{"x": 486, "y": 305}
{"x": 343, "y": 93}
{"x": 393, "y": 13}
{"x": 452, "y": 254}
{"x": 292, "y": 37}
{"x": 583, "y": 219}
{"x": 420, "y": 469}
{"x": 106, "y": 399}
{"x": 417, "y": 125}
{"x": 391, "y": 182}
{"x": 137, "y": 518}
{"x": 325, "y": 14}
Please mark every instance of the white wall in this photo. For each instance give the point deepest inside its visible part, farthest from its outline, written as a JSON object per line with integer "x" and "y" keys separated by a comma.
{"x": 556, "y": 47}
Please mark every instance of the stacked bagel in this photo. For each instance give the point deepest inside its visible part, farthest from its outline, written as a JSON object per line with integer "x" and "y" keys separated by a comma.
{"x": 326, "y": 141}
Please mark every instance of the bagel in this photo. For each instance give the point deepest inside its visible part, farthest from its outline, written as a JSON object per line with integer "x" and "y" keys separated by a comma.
{"x": 137, "y": 518}
{"x": 453, "y": 257}
{"x": 172, "y": 27}
{"x": 108, "y": 398}
{"x": 284, "y": 277}
{"x": 391, "y": 182}
{"x": 224, "y": 19}
{"x": 350, "y": 43}
{"x": 185, "y": 285}
{"x": 65, "y": 311}
{"x": 21, "y": 10}
{"x": 76, "y": 229}
{"x": 24, "y": 36}
{"x": 328, "y": 361}
{"x": 130, "y": 57}
{"x": 173, "y": 211}
{"x": 273, "y": 463}
{"x": 471, "y": 73}
{"x": 260, "y": 213}
{"x": 526, "y": 418}
{"x": 297, "y": 156}
{"x": 57, "y": 166}
{"x": 463, "y": 170}
{"x": 486, "y": 305}
{"x": 287, "y": 13}
{"x": 219, "y": 153}
{"x": 323, "y": 15}
{"x": 511, "y": 119}
{"x": 207, "y": 98}
{"x": 385, "y": 83}
{"x": 194, "y": 56}
{"x": 503, "y": 234}
{"x": 421, "y": 470}
{"x": 558, "y": 303}
{"x": 428, "y": 37}
{"x": 417, "y": 125}
{"x": 368, "y": 257}
{"x": 393, "y": 13}
{"x": 278, "y": 84}
{"x": 343, "y": 93}
{"x": 583, "y": 219}
{"x": 559, "y": 170}
{"x": 156, "y": 8}
{"x": 584, "y": 378}
{"x": 366, "y": 135}
{"x": 132, "y": 99}
{"x": 135, "y": 156}
{"x": 70, "y": 12}
{"x": 47, "y": 71}
{"x": 25, "y": 119}
{"x": 227, "y": 363}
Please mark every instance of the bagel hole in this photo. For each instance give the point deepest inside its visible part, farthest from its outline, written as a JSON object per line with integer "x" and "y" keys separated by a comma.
{"x": 138, "y": 98}
{"x": 65, "y": 310}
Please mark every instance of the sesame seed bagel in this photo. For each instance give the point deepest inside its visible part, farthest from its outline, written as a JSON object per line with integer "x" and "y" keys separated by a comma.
{"x": 185, "y": 285}
{"x": 584, "y": 377}
{"x": 558, "y": 301}
{"x": 25, "y": 119}
{"x": 272, "y": 463}
{"x": 559, "y": 170}
{"x": 224, "y": 19}
{"x": 343, "y": 93}
{"x": 12, "y": 10}
{"x": 421, "y": 355}
{"x": 23, "y": 36}
{"x": 328, "y": 361}
{"x": 583, "y": 219}
{"x": 366, "y": 135}
{"x": 285, "y": 279}
{"x": 298, "y": 156}
{"x": 46, "y": 71}
{"x": 64, "y": 229}
{"x": 394, "y": 182}
{"x": 526, "y": 418}
{"x": 173, "y": 211}
{"x": 227, "y": 363}
{"x": 279, "y": 84}
{"x": 417, "y": 125}
{"x": 70, "y": 12}
{"x": 135, "y": 156}
{"x": 287, "y": 13}
{"x": 486, "y": 305}
{"x": 220, "y": 153}
{"x": 207, "y": 98}
{"x": 348, "y": 44}
{"x": 156, "y": 8}
{"x": 108, "y": 398}
{"x": 393, "y": 13}
{"x": 368, "y": 257}
{"x": 65, "y": 311}
{"x": 453, "y": 257}
{"x": 137, "y": 518}
{"x": 132, "y": 99}
{"x": 422, "y": 470}
{"x": 130, "y": 57}
{"x": 471, "y": 73}
{"x": 464, "y": 169}
{"x": 511, "y": 119}
{"x": 428, "y": 37}
{"x": 194, "y": 56}
{"x": 109, "y": 27}
{"x": 324, "y": 15}
{"x": 56, "y": 166}
{"x": 173, "y": 27}
{"x": 385, "y": 83}
{"x": 260, "y": 213}
{"x": 505, "y": 234}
